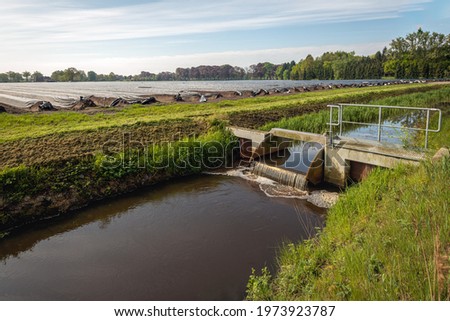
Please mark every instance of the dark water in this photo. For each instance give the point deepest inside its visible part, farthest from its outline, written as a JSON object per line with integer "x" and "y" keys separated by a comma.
{"x": 192, "y": 239}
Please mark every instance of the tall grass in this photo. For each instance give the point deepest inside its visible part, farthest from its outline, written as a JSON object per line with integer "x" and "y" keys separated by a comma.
{"x": 386, "y": 239}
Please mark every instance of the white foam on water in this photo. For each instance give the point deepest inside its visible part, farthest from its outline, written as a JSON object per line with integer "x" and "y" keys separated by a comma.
{"x": 270, "y": 188}
{"x": 266, "y": 185}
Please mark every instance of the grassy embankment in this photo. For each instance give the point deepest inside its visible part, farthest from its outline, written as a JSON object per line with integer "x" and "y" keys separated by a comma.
{"x": 52, "y": 163}
{"x": 387, "y": 238}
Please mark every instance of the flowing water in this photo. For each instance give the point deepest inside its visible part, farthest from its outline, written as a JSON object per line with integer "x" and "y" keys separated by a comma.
{"x": 191, "y": 239}
{"x": 280, "y": 175}
{"x": 289, "y": 166}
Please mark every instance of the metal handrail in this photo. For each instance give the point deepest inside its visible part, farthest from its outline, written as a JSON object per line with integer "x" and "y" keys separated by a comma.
{"x": 340, "y": 122}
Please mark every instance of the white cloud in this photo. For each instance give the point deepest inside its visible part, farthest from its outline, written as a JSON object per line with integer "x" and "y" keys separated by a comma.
{"x": 34, "y": 21}
{"x": 42, "y": 35}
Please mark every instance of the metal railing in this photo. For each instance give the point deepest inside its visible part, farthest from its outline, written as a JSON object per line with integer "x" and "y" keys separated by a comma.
{"x": 340, "y": 122}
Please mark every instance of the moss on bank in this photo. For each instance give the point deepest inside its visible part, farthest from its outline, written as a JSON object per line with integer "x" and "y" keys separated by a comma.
{"x": 386, "y": 239}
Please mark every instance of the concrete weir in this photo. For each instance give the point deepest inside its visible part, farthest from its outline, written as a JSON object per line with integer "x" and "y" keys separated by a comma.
{"x": 342, "y": 159}
{"x": 280, "y": 175}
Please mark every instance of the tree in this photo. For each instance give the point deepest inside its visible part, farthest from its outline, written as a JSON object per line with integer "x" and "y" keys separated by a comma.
{"x": 58, "y": 75}
{"x": 419, "y": 54}
{"x": 37, "y": 77}
{"x": 92, "y": 76}
{"x": 305, "y": 69}
{"x": 14, "y": 76}
{"x": 4, "y": 77}
{"x": 27, "y": 75}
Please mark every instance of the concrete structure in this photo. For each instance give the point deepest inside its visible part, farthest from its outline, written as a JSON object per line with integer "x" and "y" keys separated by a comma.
{"x": 352, "y": 159}
{"x": 342, "y": 158}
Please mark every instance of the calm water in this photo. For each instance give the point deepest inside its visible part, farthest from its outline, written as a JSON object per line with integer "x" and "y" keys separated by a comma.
{"x": 192, "y": 239}
{"x": 399, "y": 136}
{"x": 19, "y": 94}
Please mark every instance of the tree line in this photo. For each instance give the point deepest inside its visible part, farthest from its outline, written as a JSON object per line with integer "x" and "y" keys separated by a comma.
{"x": 419, "y": 55}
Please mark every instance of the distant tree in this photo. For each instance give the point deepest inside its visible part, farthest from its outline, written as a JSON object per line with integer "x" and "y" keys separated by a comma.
{"x": 58, "y": 75}
{"x": 112, "y": 77}
{"x": 37, "y": 77}
{"x": 4, "y": 77}
{"x": 27, "y": 75}
{"x": 280, "y": 71}
{"x": 92, "y": 76}
{"x": 14, "y": 76}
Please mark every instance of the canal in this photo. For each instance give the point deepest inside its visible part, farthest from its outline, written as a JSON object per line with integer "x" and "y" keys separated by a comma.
{"x": 195, "y": 238}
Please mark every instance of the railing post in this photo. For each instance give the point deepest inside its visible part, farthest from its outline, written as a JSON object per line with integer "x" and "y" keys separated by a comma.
{"x": 331, "y": 126}
{"x": 340, "y": 115}
{"x": 380, "y": 113}
{"x": 427, "y": 128}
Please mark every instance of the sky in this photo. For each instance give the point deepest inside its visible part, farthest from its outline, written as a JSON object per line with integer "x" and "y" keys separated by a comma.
{"x": 127, "y": 37}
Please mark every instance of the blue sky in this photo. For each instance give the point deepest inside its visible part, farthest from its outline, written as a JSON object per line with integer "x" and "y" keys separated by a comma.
{"x": 127, "y": 37}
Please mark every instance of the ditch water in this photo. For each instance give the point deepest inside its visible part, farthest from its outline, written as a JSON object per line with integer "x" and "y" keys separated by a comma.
{"x": 191, "y": 239}
{"x": 400, "y": 136}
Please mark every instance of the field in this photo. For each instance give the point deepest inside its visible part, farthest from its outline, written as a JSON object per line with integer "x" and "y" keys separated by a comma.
{"x": 30, "y": 139}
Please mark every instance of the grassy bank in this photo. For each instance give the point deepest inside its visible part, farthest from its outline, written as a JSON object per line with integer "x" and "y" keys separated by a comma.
{"x": 387, "y": 238}
{"x": 30, "y": 193}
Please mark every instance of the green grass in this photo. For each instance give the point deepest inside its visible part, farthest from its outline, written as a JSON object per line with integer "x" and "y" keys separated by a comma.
{"x": 14, "y": 127}
{"x": 91, "y": 177}
{"x": 317, "y": 122}
{"x": 386, "y": 239}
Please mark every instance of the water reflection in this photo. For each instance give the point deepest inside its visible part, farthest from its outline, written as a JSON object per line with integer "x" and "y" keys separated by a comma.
{"x": 193, "y": 239}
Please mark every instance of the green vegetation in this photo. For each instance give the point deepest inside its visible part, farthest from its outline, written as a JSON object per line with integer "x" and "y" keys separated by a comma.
{"x": 418, "y": 55}
{"x": 94, "y": 177}
{"x": 387, "y": 238}
{"x": 316, "y": 122}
